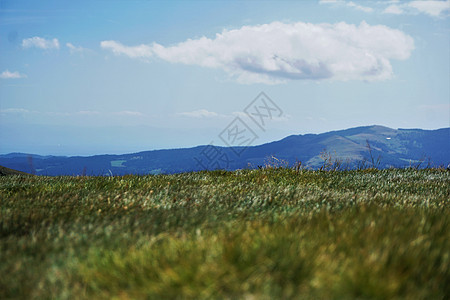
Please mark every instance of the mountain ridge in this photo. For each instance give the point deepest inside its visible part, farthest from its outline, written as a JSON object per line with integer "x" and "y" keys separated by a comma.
{"x": 394, "y": 147}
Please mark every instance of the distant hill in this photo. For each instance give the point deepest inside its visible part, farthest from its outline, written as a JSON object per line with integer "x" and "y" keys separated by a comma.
{"x": 392, "y": 147}
{"x": 7, "y": 171}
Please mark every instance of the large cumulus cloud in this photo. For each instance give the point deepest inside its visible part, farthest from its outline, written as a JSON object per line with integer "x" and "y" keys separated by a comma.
{"x": 276, "y": 52}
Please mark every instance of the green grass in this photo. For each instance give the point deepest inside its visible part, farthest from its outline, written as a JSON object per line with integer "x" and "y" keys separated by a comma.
{"x": 257, "y": 234}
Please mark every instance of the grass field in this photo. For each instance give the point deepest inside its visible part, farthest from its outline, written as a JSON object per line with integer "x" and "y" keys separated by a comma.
{"x": 255, "y": 234}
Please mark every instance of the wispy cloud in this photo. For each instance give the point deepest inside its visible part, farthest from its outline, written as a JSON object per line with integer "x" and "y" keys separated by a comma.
{"x": 360, "y": 7}
{"x": 351, "y": 4}
{"x": 201, "y": 113}
{"x": 141, "y": 51}
{"x": 240, "y": 114}
{"x": 85, "y": 113}
{"x": 393, "y": 9}
{"x": 11, "y": 75}
{"x": 75, "y": 49}
{"x": 128, "y": 113}
{"x": 14, "y": 111}
{"x": 283, "y": 118}
{"x": 40, "y": 43}
{"x": 432, "y": 8}
{"x": 88, "y": 112}
{"x": 276, "y": 52}
{"x": 329, "y": 1}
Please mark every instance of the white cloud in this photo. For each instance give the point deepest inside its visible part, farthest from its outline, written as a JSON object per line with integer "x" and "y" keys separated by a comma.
{"x": 141, "y": 51}
{"x": 276, "y": 52}
{"x": 283, "y": 118}
{"x": 393, "y": 9}
{"x": 328, "y": 1}
{"x": 431, "y": 7}
{"x": 240, "y": 114}
{"x": 128, "y": 113}
{"x": 11, "y": 75}
{"x": 41, "y": 43}
{"x": 360, "y": 7}
{"x": 14, "y": 111}
{"x": 202, "y": 113}
{"x": 88, "y": 112}
{"x": 349, "y": 4}
{"x": 74, "y": 49}
{"x": 85, "y": 113}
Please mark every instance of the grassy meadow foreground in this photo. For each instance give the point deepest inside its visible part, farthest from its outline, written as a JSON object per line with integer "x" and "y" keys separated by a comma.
{"x": 258, "y": 234}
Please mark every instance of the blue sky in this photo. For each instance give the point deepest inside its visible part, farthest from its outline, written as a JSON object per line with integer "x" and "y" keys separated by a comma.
{"x": 91, "y": 77}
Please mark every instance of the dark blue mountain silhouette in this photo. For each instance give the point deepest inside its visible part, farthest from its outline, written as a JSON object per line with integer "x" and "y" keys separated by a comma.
{"x": 393, "y": 148}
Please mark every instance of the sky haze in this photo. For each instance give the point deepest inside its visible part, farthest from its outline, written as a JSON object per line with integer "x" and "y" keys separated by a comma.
{"x": 92, "y": 77}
